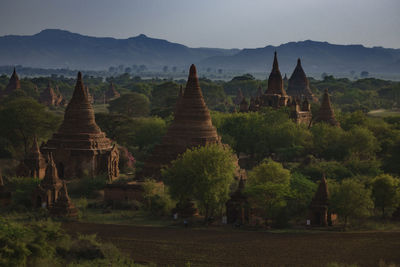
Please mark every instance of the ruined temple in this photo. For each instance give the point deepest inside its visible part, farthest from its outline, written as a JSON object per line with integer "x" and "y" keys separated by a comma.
{"x": 13, "y": 84}
{"x": 319, "y": 214}
{"x": 244, "y": 105}
{"x": 111, "y": 93}
{"x": 299, "y": 86}
{"x": 79, "y": 147}
{"x": 63, "y": 207}
{"x": 46, "y": 193}
{"x": 49, "y": 97}
{"x": 326, "y": 113}
{"x": 35, "y": 161}
{"x": 239, "y": 97}
{"x": 191, "y": 127}
{"x": 237, "y": 207}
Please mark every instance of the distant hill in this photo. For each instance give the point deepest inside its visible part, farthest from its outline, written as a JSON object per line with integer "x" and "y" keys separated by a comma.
{"x": 317, "y": 57}
{"x": 63, "y": 49}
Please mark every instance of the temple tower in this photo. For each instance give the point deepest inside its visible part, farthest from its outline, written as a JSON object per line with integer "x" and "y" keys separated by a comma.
{"x": 299, "y": 85}
{"x": 111, "y": 93}
{"x": 319, "y": 205}
{"x": 239, "y": 97}
{"x": 191, "y": 127}
{"x": 49, "y": 97}
{"x": 79, "y": 147}
{"x": 13, "y": 84}
{"x": 35, "y": 161}
{"x": 326, "y": 113}
{"x": 244, "y": 105}
{"x": 63, "y": 207}
{"x": 275, "y": 95}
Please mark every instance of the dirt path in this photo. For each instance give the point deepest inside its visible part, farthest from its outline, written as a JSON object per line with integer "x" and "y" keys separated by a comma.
{"x": 210, "y": 247}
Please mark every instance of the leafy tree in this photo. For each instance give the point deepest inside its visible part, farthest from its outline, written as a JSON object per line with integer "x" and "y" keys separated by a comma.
{"x": 23, "y": 118}
{"x": 328, "y": 141}
{"x": 351, "y": 199}
{"x": 302, "y": 192}
{"x": 268, "y": 186}
{"x": 164, "y": 97}
{"x": 132, "y": 104}
{"x": 203, "y": 174}
{"x": 385, "y": 193}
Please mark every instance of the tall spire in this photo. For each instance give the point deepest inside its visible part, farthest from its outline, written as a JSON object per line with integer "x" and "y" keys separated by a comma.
{"x": 275, "y": 65}
{"x": 35, "y": 147}
{"x": 299, "y": 85}
{"x": 79, "y": 114}
{"x": 275, "y": 82}
{"x": 326, "y": 113}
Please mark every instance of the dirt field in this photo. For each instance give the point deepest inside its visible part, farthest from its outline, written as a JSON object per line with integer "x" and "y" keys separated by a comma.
{"x": 229, "y": 247}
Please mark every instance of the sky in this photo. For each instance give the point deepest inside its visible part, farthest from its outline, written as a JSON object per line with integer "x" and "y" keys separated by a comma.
{"x": 212, "y": 23}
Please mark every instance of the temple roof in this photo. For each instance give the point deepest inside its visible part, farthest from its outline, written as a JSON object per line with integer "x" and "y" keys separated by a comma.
{"x": 79, "y": 129}
{"x": 79, "y": 114}
{"x": 275, "y": 82}
{"x": 326, "y": 113}
{"x": 299, "y": 84}
{"x": 48, "y": 96}
{"x": 35, "y": 151}
{"x": 192, "y": 126}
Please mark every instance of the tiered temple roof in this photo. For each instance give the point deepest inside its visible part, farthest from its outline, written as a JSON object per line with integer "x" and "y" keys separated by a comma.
{"x": 326, "y": 113}
{"x": 299, "y": 84}
{"x": 80, "y": 147}
{"x": 192, "y": 126}
{"x": 64, "y": 206}
{"x": 79, "y": 129}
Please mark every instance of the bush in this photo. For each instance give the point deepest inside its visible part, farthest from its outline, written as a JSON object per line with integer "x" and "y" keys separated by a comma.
{"x": 22, "y": 188}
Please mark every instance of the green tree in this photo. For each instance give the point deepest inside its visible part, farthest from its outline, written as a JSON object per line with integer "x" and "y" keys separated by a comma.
{"x": 22, "y": 119}
{"x": 351, "y": 199}
{"x": 164, "y": 97}
{"x": 268, "y": 186}
{"x": 203, "y": 174}
{"x": 385, "y": 193}
{"x": 132, "y": 104}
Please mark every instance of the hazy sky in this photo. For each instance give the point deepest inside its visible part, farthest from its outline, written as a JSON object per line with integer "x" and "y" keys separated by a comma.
{"x": 213, "y": 23}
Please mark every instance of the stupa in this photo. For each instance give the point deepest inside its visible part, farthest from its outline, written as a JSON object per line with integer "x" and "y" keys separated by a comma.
{"x": 79, "y": 147}
{"x": 63, "y": 207}
{"x": 192, "y": 126}
{"x": 326, "y": 113}
{"x": 35, "y": 161}
{"x": 299, "y": 86}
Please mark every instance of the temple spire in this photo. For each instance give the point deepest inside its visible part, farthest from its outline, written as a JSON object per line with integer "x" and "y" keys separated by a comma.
{"x": 275, "y": 65}
{"x": 35, "y": 146}
{"x": 298, "y": 85}
{"x": 51, "y": 176}
{"x": 326, "y": 113}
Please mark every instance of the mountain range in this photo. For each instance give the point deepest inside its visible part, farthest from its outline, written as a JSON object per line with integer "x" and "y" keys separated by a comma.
{"x": 55, "y": 48}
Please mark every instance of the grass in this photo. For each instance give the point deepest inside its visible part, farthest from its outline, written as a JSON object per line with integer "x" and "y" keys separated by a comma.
{"x": 100, "y": 108}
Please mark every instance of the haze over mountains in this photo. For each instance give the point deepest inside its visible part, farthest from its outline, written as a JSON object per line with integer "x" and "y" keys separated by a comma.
{"x": 63, "y": 49}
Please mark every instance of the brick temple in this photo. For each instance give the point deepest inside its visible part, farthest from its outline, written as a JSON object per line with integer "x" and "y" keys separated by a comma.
{"x": 276, "y": 97}
{"x": 191, "y": 127}
{"x": 299, "y": 86}
{"x": 326, "y": 113}
{"x": 79, "y": 147}
{"x": 49, "y": 97}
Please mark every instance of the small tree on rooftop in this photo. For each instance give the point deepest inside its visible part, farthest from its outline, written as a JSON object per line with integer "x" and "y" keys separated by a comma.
{"x": 203, "y": 174}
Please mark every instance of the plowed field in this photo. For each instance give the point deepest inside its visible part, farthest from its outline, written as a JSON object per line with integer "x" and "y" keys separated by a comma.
{"x": 229, "y": 247}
